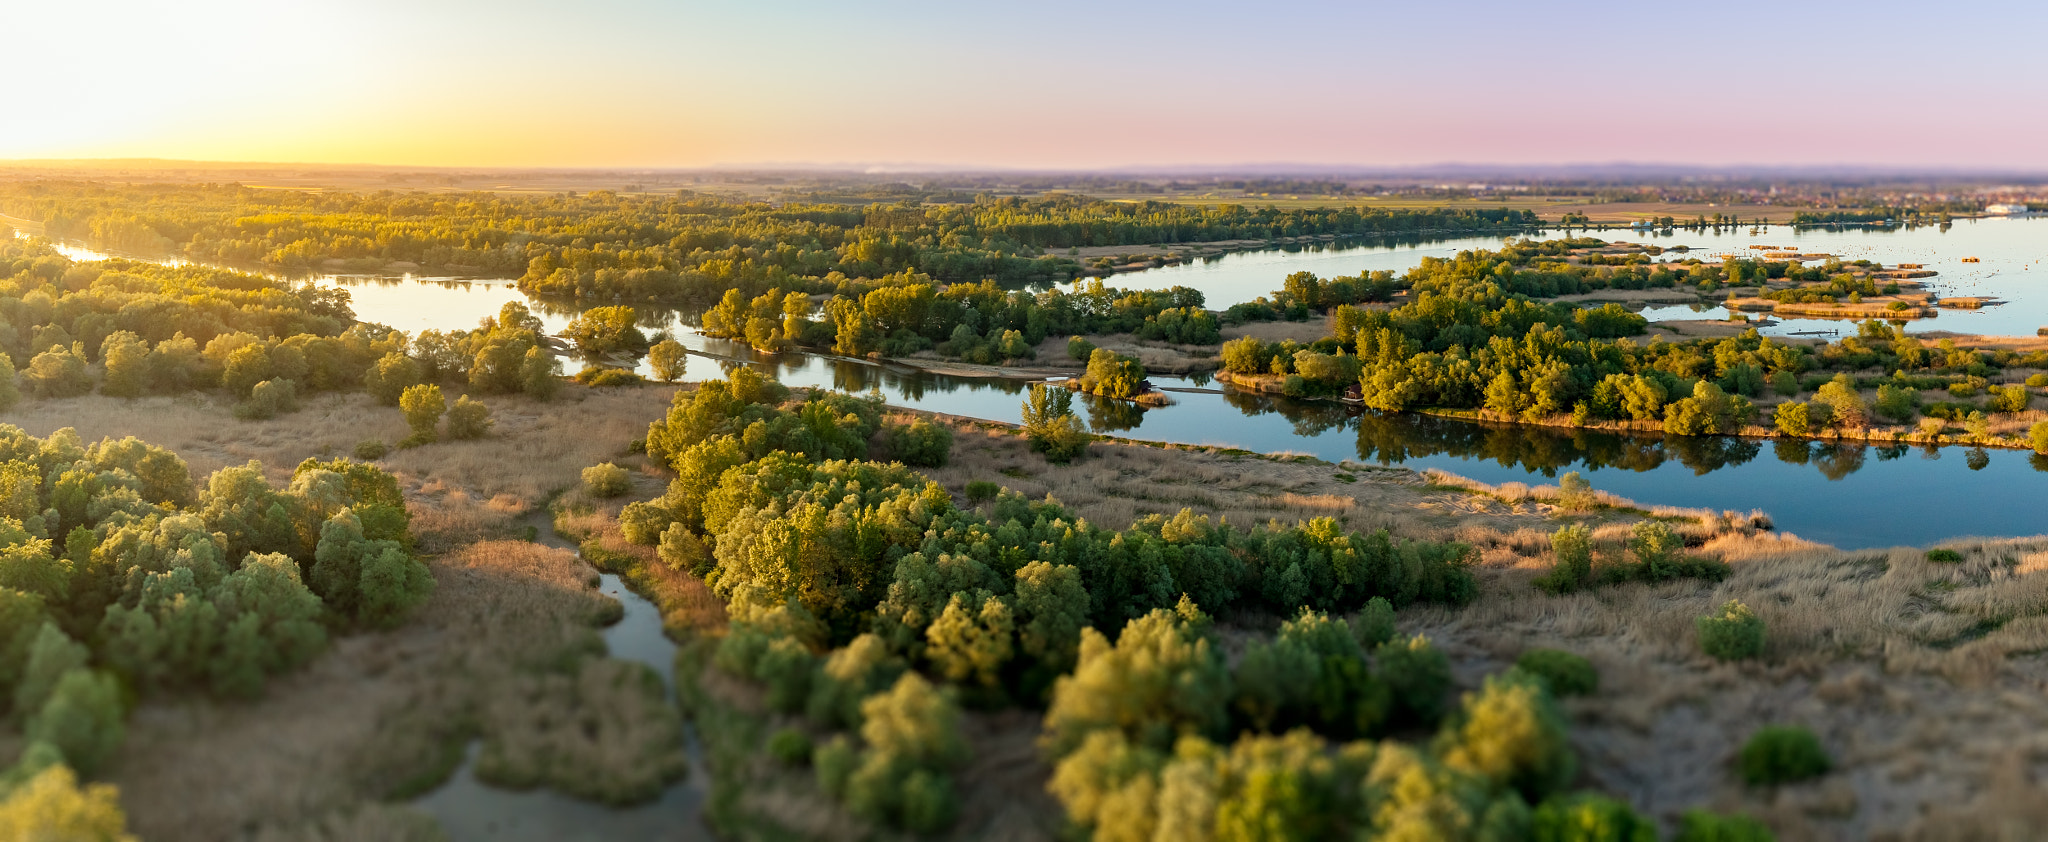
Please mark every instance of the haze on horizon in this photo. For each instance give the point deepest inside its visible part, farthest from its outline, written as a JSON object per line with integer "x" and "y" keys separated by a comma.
{"x": 648, "y": 83}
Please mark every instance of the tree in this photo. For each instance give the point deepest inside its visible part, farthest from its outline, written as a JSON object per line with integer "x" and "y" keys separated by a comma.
{"x": 607, "y": 480}
{"x": 2038, "y": 436}
{"x": 1791, "y": 418}
{"x": 468, "y": 419}
{"x": 1052, "y": 608}
{"x": 390, "y": 376}
{"x": 1845, "y": 405}
{"x": 1050, "y": 423}
{"x": 1113, "y": 375}
{"x": 668, "y": 358}
{"x": 970, "y": 641}
{"x": 10, "y": 392}
{"x": 1573, "y": 547}
{"x": 57, "y": 373}
{"x": 920, "y": 443}
{"x": 423, "y": 407}
{"x": 82, "y": 719}
{"x": 126, "y": 358}
{"x": 1160, "y": 680}
{"x": 540, "y": 374}
{"x": 599, "y": 331}
{"x": 1511, "y": 733}
{"x": 52, "y": 806}
{"x": 51, "y": 656}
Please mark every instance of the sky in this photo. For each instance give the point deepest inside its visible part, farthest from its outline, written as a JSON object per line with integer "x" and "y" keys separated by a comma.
{"x": 1044, "y": 85}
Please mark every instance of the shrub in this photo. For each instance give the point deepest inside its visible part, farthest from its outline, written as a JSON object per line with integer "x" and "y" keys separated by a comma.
{"x": 981, "y": 491}
{"x": 1080, "y": 349}
{"x": 600, "y": 377}
{"x": 790, "y": 746}
{"x": 1589, "y": 817}
{"x": 1575, "y": 494}
{"x": 1564, "y": 673}
{"x": 607, "y": 480}
{"x": 423, "y": 406}
{"x": 1573, "y": 547}
{"x": 1733, "y": 634}
{"x": 2037, "y": 435}
{"x": 1050, "y": 424}
{"x": 1375, "y": 623}
{"x": 1792, "y": 418}
{"x": 1113, "y": 375}
{"x": 2038, "y": 380}
{"x": 370, "y": 450}
{"x": 643, "y": 523}
{"x": 834, "y": 763}
{"x": 468, "y": 419}
{"x": 1946, "y": 556}
{"x": 1702, "y": 826}
{"x": 1419, "y": 674}
{"x": 1782, "y": 754}
{"x": 1510, "y": 732}
{"x": 390, "y": 376}
{"x": 920, "y": 443}
{"x": 269, "y": 399}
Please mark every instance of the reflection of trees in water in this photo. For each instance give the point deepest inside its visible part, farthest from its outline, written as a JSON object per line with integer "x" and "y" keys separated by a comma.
{"x": 1793, "y": 451}
{"x": 1888, "y": 452}
{"x": 1838, "y": 459}
{"x": 1977, "y": 458}
{"x": 1706, "y": 454}
{"x": 1108, "y": 415}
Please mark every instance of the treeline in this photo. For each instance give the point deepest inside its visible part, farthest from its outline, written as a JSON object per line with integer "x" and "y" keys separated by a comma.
{"x": 119, "y": 575}
{"x": 128, "y": 329}
{"x": 681, "y": 248}
{"x": 978, "y": 322}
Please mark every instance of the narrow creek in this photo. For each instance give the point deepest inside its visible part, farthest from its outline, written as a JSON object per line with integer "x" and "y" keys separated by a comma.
{"x": 469, "y": 809}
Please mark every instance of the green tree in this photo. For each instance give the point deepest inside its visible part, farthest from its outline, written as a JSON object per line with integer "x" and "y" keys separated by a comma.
{"x": 920, "y": 443}
{"x": 82, "y": 719}
{"x": 57, "y": 373}
{"x": 1845, "y": 405}
{"x": 390, "y": 376}
{"x": 1050, "y": 423}
{"x": 970, "y": 641}
{"x": 1511, "y": 733}
{"x": 668, "y": 358}
{"x": 540, "y": 374}
{"x": 1573, "y": 548}
{"x": 423, "y": 406}
{"x": 599, "y": 331}
{"x": 1052, "y": 608}
{"x": 468, "y": 419}
{"x": 1791, "y": 419}
{"x": 126, "y": 358}
{"x": 1113, "y": 375}
{"x": 51, "y": 656}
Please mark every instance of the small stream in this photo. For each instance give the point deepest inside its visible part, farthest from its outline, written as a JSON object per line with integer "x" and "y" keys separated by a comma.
{"x": 469, "y": 809}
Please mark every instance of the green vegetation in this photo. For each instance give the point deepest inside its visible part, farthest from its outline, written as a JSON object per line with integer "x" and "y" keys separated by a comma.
{"x": 1943, "y": 555}
{"x": 606, "y": 480}
{"x": 1782, "y": 754}
{"x": 1049, "y": 421}
{"x": 159, "y": 587}
{"x": 1564, "y": 673}
{"x": 1734, "y": 634}
{"x": 1655, "y": 554}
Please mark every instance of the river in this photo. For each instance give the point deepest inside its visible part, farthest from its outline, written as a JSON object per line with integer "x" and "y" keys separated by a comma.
{"x": 1850, "y": 495}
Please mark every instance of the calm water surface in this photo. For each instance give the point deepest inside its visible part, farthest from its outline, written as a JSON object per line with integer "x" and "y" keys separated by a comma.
{"x": 1849, "y": 495}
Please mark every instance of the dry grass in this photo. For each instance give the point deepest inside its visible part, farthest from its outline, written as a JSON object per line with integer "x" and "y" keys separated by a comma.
{"x": 365, "y": 717}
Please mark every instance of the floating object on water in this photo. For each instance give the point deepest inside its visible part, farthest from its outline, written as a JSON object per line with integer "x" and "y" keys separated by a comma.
{"x": 1970, "y": 260}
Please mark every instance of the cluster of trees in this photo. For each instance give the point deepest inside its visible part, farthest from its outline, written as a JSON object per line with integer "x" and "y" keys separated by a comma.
{"x": 979, "y": 322}
{"x": 150, "y": 329}
{"x": 858, "y": 590}
{"x": 1157, "y": 736}
{"x": 1304, "y": 294}
{"x": 683, "y": 247}
{"x": 119, "y": 575}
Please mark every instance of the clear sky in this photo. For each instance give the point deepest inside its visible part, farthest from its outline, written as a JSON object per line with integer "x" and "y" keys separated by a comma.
{"x": 1050, "y": 84}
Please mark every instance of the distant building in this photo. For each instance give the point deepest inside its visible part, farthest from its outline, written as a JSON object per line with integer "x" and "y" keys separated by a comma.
{"x": 2004, "y": 210}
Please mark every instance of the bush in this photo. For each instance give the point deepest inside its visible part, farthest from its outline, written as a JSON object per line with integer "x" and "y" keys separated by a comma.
{"x": 790, "y": 746}
{"x": 607, "y": 480}
{"x": 370, "y": 450}
{"x": 1782, "y": 754}
{"x": 834, "y": 763}
{"x": 2038, "y": 380}
{"x": 269, "y": 399}
{"x": 919, "y": 443}
{"x": 390, "y": 376}
{"x": 1575, "y": 494}
{"x": 643, "y": 523}
{"x": 1792, "y": 419}
{"x": 1945, "y": 556}
{"x": 1734, "y": 634}
{"x": 1564, "y": 673}
{"x": 468, "y": 419}
{"x": 1050, "y": 424}
{"x": 423, "y": 406}
{"x": 1375, "y": 623}
{"x": 1419, "y": 674}
{"x": 1573, "y": 547}
{"x": 1511, "y": 733}
{"x": 1588, "y": 817}
{"x": 600, "y": 377}
{"x": 2037, "y": 435}
{"x": 1080, "y": 349}
{"x": 981, "y": 491}
{"x": 1702, "y": 826}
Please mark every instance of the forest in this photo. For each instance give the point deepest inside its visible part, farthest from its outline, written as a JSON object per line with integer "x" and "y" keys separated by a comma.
{"x": 684, "y": 248}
